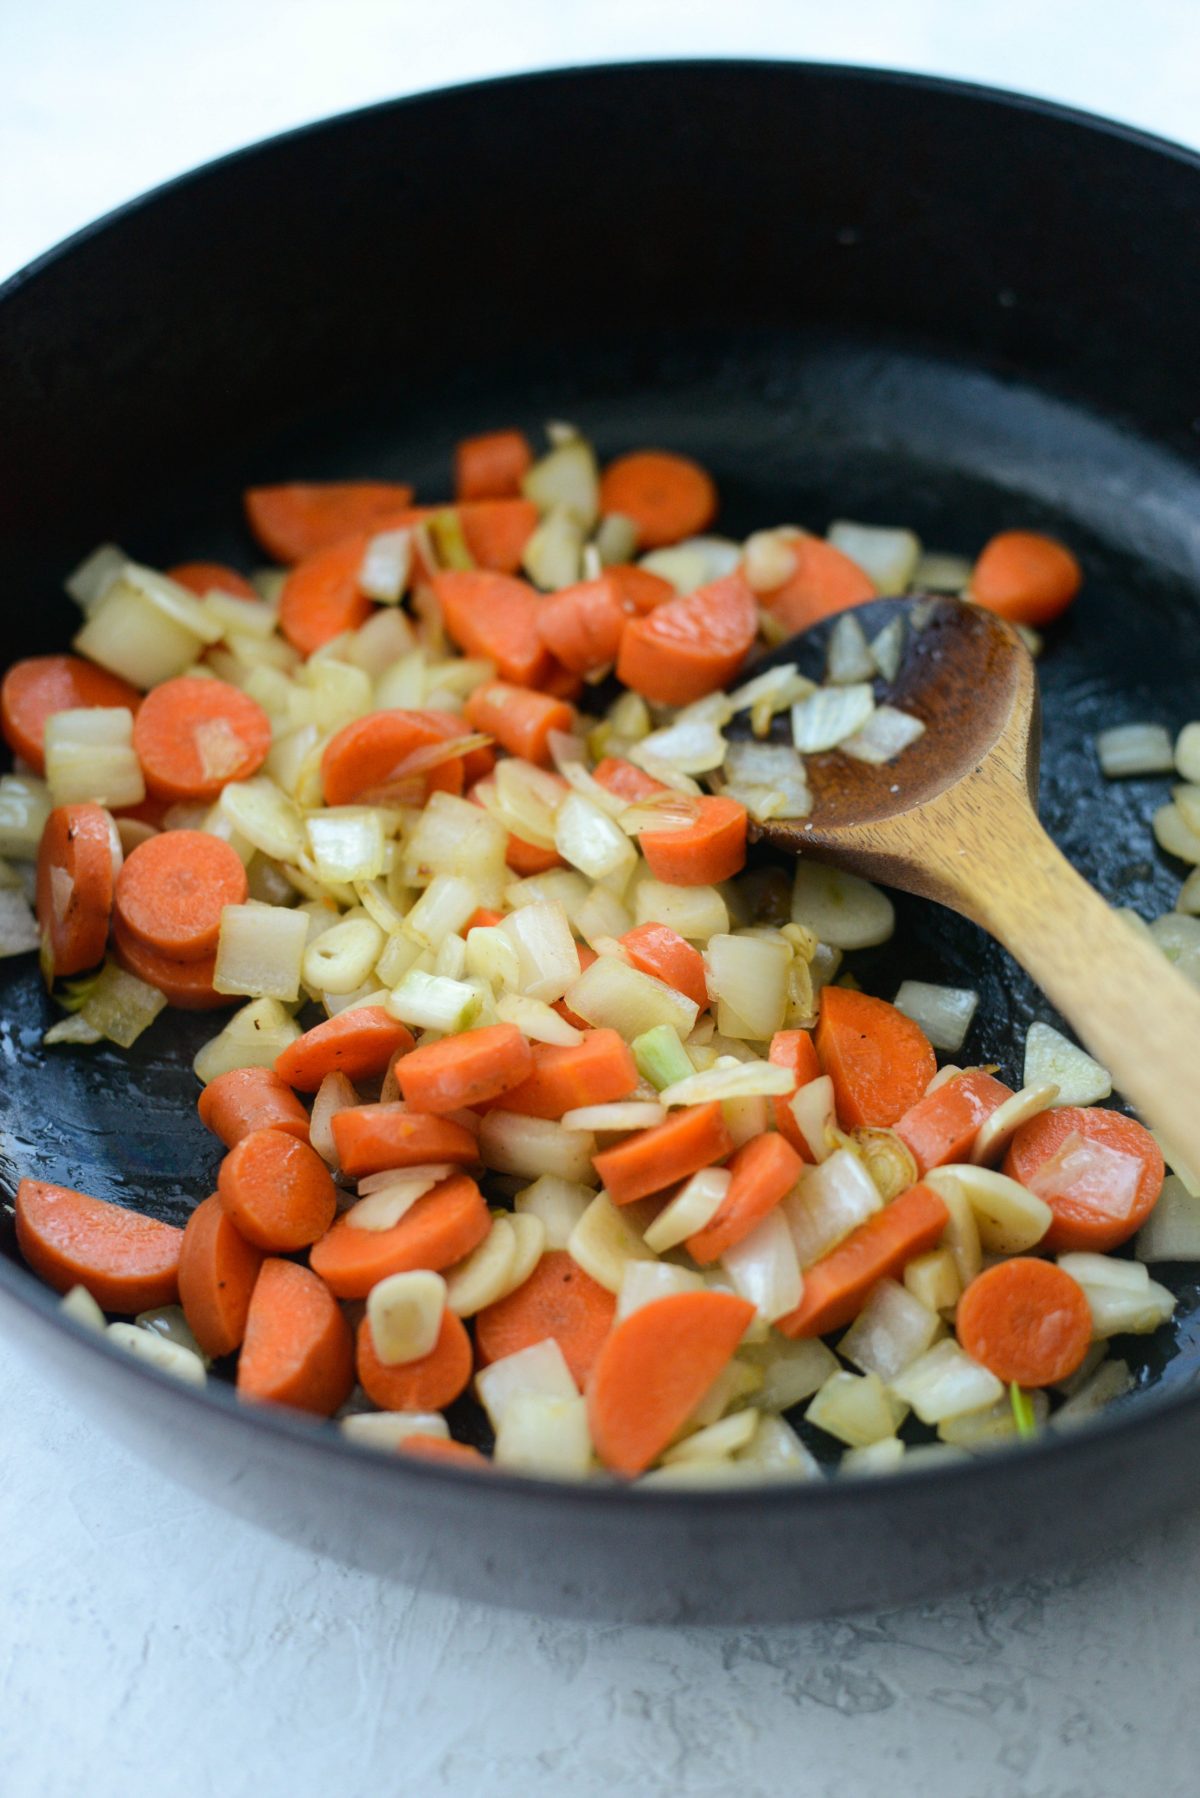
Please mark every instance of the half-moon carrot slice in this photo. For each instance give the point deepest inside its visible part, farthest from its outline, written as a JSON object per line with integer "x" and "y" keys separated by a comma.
{"x": 129, "y": 1263}
{"x": 75, "y": 887}
{"x": 557, "y": 1301}
{"x": 370, "y": 1139}
{"x": 217, "y": 1272}
{"x": 428, "y": 1384}
{"x": 361, "y": 1043}
{"x": 298, "y": 1349}
{"x": 298, "y": 518}
{"x": 440, "y": 1229}
{"x": 366, "y": 754}
{"x": 246, "y": 1099}
{"x": 277, "y": 1190}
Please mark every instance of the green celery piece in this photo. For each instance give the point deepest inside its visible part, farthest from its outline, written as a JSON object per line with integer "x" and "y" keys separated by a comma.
{"x": 661, "y": 1057}
{"x": 445, "y": 527}
{"x": 1022, "y": 1411}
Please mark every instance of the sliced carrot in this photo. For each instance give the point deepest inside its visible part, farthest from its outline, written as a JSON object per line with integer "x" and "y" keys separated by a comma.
{"x": 1026, "y": 1320}
{"x": 667, "y": 496}
{"x": 880, "y": 1062}
{"x": 691, "y": 646}
{"x": 208, "y": 577}
{"x": 1099, "y": 1172}
{"x": 277, "y": 1190}
{"x": 764, "y": 1171}
{"x": 491, "y": 466}
{"x": 298, "y": 1350}
{"x": 463, "y": 1070}
{"x": 443, "y": 1448}
{"x": 193, "y": 736}
{"x": 824, "y": 581}
{"x": 1026, "y": 577}
{"x": 794, "y": 1050}
{"x": 187, "y": 985}
{"x": 360, "y": 1043}
{"x": 298, "y": 519}
{"x": 638, "y": 587}
{"x": 372, "y": 1138}
{"x": 597, "y": 1071}
{"x": 629, "y": 783}
{"x": 129, "y": 1263}
{"x": 558, "y": 1302}
{"x": 836, "y": 1287}
{"x": 582, "y": 625}
{"x": 562, "y": 683}
{"x": 321, "y": 596}
{"x": 650, "y": 1160}
{"x": 703, "y": 853}
{"x": 74, "y": 888}
{"x": 661, "y": 952}
{"x": 363, "y": 758}
{"x": 428, "y": 1384}
{"x": 172, "y": 889}
{"x": 33, "y": 690}
{"x": 440, "y": 1229}
{"x": 483, "y": 918}
{"x": 654, "y": 1368}
{"x": 217, "y": 1272}
{"x": 497, "y": 531}
{"x": 526, "y": 859}
{"x": 247, "y": 1099}
{"x": 943, "y": 1125}
{"x": 495, "y": 617}
{"x": 519, "y": 719}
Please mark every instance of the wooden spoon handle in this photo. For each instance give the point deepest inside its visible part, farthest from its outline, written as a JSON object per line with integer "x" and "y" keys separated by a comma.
{"x": 1130, "y": 1007}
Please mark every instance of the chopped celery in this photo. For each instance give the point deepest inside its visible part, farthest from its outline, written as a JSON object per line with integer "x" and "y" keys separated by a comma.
{"x": 445, "y": 527}
{"x": 661, "y": 1057}
{"x": 1022, "y": 1411}
{"x": 434, "y": 1002}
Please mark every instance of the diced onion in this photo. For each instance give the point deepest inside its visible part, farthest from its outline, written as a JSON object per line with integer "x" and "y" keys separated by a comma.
{"x": 90, "y": 581}
{"x": 385, "y": 566}
{"x": 944, "y": 1013}
{"x": 120, "y": 1006}
{"x": 840, "y": 909}
{"x": 544, "y": 1435}
{"x": 79, "y": 1305}
{"x": 19, "y": 932}
{"x": 145, "y": 628}
{"x": 831, "y": 1200}
{"x": 603, "y": 1240}
{"x": 885, "y": 734}
{"x": 694, "y": 562}
{"x": 335, "y": 1093}
{"x": 829, "y": 715}
{"x": 552, "y": 556}
{"x": 566, "y": 478}
{"x": 262, "y": 813}
{"x": 511, "y": 1143}
{"x": 848, "y": 656}
{"x": 616, "y": 539}
{"x": 1102, "y": 1179}
{"x": 945, "y": 1382}
{"x": 612, "y": 995}
{"x": 890, "y": 1331}
{"x": 617, "y": 1118}
{"x": 643, "y": 1282}
{"x": 747, "y": 976}
{"x": 979, "y": 1430}
{"x": 25, "y": 805}
{"x": 768, "y": 779}
{"x": 887, "y": 649}
{"x": 888, "y": 555}
{"x": 383, "y": 1208}
{"x": 693, "y": 1207}
{"x": 938, "y": 572}
{"x": 90, "y": 756}
{"x": 855, "y": 1408}
{"x": 434, "y": 1002}
{"x": 588, "y": 838}
{"x": 253, "y": 1038}
{"x": 792, "y": 1370}
{"x": 746, "y": 1079}
{"x": 1121, "y": 1296}
{"x": 260, "y": 949}
{"x": 1172, "y": 1231}
{"x": 815, "y": 1114}
{"x": 689, "y": 746}
{"x": 933, "y": 1278}
{"x": 1135, "y": 749}
{"x": 537, "y": 1020}
{"x": 1111, "y": 1380}
{"x": 1051, "y": 1060}
{"x": 884, "y": 1456}
{"x": 347, "y": 843}
{"x": 763, "y": 1268}
{"x": 539, "y": 1370}
{"x": 546, "y": 953}
{"x": 716, "y": 1441}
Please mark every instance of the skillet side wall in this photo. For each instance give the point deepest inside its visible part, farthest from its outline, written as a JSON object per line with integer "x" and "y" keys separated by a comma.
{"x": 871, "y": 262}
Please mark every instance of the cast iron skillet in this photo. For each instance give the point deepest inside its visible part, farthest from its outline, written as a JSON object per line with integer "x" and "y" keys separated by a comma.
{"x": 847, "y": 293}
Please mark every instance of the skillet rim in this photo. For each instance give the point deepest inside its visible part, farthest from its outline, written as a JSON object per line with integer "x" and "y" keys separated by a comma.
{"x": 1148, "y": 1414}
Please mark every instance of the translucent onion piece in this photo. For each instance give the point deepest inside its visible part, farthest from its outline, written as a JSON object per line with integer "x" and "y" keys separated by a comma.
{"x": 510, "y": 1143}
{"x": 385, "y": 566}
{"x": 763, "y": 1268}
{"x": 1052, "y": 1060}
{"x": 840, "y": 909}
{"x": 888, "y": 555}
{"x": 260, "y": 949}
{"x": 1172, "y": 1231}
{"x": 545, "y": 1436}
{"x": 945, "y": 1382}
{"x": 855, "y": 1408}
{"x": 690, "y": 746}
{"x": 612, "y": 995}
{"x": 643, "y": 1282}
{"x": 1103, "y": 1179}
{"x": 848, "y": 656}
{"x": 19, "y": 932}
{"x": 90, "y": 581}
{"x": 887, "y": 649}
{"x": 831, "y": 1200}
{"x": 885, "y": 734}
{"x": 537, "y": 1020}
{"x": 253, "y": 1038}
{"x": 546, "y": 953}
{"x": 693, "y": 1208}
{"x": 747, "y": 975}
{"x": 540, "y": 1370}
{"x": 816, "y": 1117}
{"x": 829, "y": 715}
{"x": 566, "y": 479}
{"x": 746, "y": 1079}
{"x": 890, "y": 1331}
{"x": 944, "y": 1013}
{"x": 618, "y": 1118}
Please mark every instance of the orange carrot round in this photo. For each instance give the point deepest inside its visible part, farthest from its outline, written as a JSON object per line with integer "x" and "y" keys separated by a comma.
{"x": 836, "y": 1287}
{"x": 703, "y": 853}
{"x": 763, "y": 1171}
{"x": 298, "y": 519}
{"x": 661, "y": 952}
{"x": 688, "y": 647}
{"x": 520, "y": 720}
{"x": 370, "y": 1139}
{"x": 429, "y": 1384}
{"x": 1027, "y": 578}
{"x": 321, "y": 596}
{"x": 497, "y": 531}
{"x": 193, "y": 736}
{"x": 464, "y": 1070}
{"x": 1101, "y": 1188}
{"x": 638, "y": 587}
{"x": 494, "y": 616}
{"x": 217, "y": 1272}
{"x": 277, "y": 1191}
{"x": 208, "y": 577}
{"x": 187, "y": 985}
{"x": 667, "y": 496}
{"x": 34, "y": 689}
{"x": 582, "y": 625}
{"x": 172, "y": 889}
{"x": 943, "y": 1125}
{"x": 880, "y": 1062}
{"x": 557, "y": 1302}
{"x": 597, "y": 1071}
{"x": 440, "y": 1229}
{"x": 365, "y": 756}
{"x": 298, "y": 1350}
{"x": 654, "y": 1368}
{"x": 824, "y": 581}
{"x": 1026, "y": 1320}
{"x": 794, "y": 1050}
{"x": 628, "y": 783}
{"x": 650, "y": 1160}
{"x": 129, "y": 1263}
{"x": 247, "y": 1099}
{"x": 361, "y": 1043}
{"x": 443, "y": 1448}
{"x": 75, "y": 888}
{"x": 492, "y": 465}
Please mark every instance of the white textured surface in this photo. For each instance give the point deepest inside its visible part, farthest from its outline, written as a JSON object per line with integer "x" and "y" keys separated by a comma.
{"x": 147, "y": 1640}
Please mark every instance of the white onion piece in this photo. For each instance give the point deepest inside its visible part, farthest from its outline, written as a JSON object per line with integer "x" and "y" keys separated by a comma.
{"x": 434, "y": 1002}
{"x": 1135, "y": 749}
{"x": 944, "y": 1013}
{"x": 566, "y": 479}
{"x": 611, "y": 995}
{"x": 588, "y": 838}
{"x": 831, "y": 1200}
{"x": 748, "y": 977}
{"x": 763, "y": 1268}
{"x": 769, "y": 779}
{"x": 546, "y": 952}
{"x": 540, "y": 1369}
{"x": 890, "y": 1331}
{"x": 938, "y": 572}
{"x": 260, "y": 949}
{"x": 545, "y": 1437}
{"x": 642, "y": 1282}
{"x": 855, "y": 1408}
{"x": 386, "y": 564}
{"x": 1172, "y": 1231}
{"x": 511, "y": 1143}
{"x": 746, "y": 1079}
{"x": 1121, "y": 1296}
{"x": 90, "y": 581}
{"x": 842, "y": 910}
{"x": 887, "y": 648}
{"x": 848, "y": 656}
{"x": 383, "y": 1208}
{"x": 615, "y": 539}
{"x": 25, "y": 805}
{"x": 694, "y": 562}
{"x": 19, "y": 932}
{"x": 933, "y": 1278}
{"x": 945, "y": 1382}
{"x": 693, "y": 746}
{"x": 537, "y": 1020}
{"x": 829, "y": 715}
{"x": 885, "y": 734}
{"x": 815, "y": 1113}
{"x": 1052, "y": 1060}
{"x": 619, "y": 1117}
{"x": 888, "y": 555}
{"x": 884, "y": 1456}
{"x": 604, "y": 1239}
{"x": 253, "y": 1038}
{"x": 693, "y": 1208}
{"x": 716, "y": 1442}
{"x": 90, "y": 757}
{"x": 696, "y": 913}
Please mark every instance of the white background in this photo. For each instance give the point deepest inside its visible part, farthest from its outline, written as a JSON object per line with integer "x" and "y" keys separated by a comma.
{"x": 148, "y": 1642}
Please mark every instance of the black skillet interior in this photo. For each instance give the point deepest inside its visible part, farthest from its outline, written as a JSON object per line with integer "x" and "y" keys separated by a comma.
{"x": 857, "y": 296}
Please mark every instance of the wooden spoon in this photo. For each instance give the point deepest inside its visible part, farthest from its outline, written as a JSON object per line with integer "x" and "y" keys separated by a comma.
{"x": 954, "y": 818}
